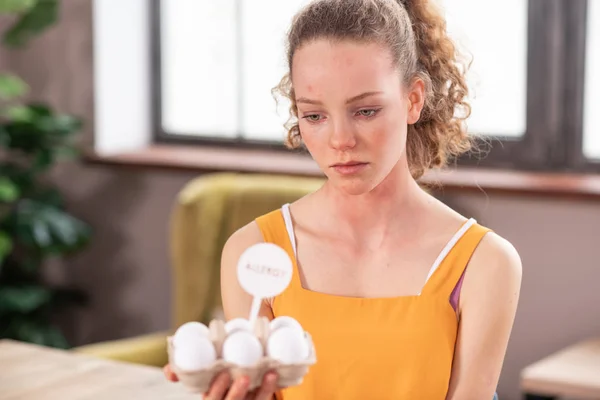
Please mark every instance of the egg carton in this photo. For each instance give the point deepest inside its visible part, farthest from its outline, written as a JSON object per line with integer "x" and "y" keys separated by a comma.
{"x": 200, "y": 380}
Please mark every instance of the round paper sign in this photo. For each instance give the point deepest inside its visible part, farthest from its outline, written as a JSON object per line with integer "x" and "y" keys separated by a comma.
{"x": 264, "y": 270}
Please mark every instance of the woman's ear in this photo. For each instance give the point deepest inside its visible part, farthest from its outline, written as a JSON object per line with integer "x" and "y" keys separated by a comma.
{"x": 416, "y": 101}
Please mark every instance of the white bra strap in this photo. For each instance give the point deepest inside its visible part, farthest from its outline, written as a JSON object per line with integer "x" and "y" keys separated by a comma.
{"x": 449, "y": 246}
{"x": 287, "y": 217}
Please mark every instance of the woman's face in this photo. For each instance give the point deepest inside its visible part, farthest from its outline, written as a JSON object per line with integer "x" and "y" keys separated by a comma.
{"x": 353, "y": 111}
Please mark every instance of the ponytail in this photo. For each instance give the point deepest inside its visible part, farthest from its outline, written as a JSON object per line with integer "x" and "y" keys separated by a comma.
{"x": 440, "y": 134}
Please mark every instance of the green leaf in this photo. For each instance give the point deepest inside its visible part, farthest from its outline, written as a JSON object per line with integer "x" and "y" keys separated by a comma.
{"x": 52, "y": 337}
{"x": 16, "y": 6}
{"x": 21, "y": 176}
{"x": 41, "y": 234}
{"x": 50, "y": 196}
{"x": 11, "y": 86}
{"x": 4, "y": 137}
{"x": 66, "y": 152}
{"x": 5, "y": 246}
{"x": 25, "y": 136}
{"x": 67, "y": 124}
{"x": 9, "y": 192}
{"x": 23, "y": 299}
{"x": 43, "y": 159}
{"x": 40, "y": 110}
{"x": 63, "y": 297}
{"x": 48, "y": 229}
{"x": 33, "y": 22}
{"x": 37, "y": 131}
{"x": 67, "y": 230}
{"x": 24, "y": 269}
{"x": 32, "y": 330}
{"x": 18, "y": 113}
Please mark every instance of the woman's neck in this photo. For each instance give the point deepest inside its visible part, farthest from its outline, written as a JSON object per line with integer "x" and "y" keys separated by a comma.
{"x": 392, "y": 208}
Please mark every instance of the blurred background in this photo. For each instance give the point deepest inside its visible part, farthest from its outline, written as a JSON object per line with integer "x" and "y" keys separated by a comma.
{"x": 136, "y": 135}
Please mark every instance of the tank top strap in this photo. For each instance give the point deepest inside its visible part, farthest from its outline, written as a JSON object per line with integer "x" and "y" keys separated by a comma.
{"x": 274, "y": 229}
{"x": 453, "y": 261}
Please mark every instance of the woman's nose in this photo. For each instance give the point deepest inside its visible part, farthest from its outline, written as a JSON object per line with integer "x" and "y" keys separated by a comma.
{"x": 342, "y": 135}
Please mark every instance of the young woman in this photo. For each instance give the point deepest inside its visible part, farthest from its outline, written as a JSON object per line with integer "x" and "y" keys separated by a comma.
{"x": 404, "y": 297}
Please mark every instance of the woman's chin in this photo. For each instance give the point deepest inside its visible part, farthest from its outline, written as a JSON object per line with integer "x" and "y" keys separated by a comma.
{"x": 354, "y": 186}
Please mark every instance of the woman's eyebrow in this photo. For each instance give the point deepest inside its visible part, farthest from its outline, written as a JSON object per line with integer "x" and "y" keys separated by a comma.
{"x": 361, "y": 96}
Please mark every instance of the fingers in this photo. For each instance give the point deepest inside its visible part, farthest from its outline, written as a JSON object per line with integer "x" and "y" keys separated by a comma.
{"x": 169, "y": 374}
{"x": 239, "y": 389}
{"x": 268, "y": 387}
{"x": 218, "y": 387}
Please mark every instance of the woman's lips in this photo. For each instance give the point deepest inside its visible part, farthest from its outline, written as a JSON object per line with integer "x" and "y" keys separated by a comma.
{"x": 349, "y": 168}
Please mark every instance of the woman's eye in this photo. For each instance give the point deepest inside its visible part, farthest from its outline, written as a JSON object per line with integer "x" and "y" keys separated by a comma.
{"x": 367, "y": 113}
{"x": 313, "y": 117}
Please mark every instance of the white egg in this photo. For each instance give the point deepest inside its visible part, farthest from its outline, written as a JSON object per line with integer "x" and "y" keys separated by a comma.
{"x": 237, "y": 324}
{"x": 285, "y": 321}
{"x": 242, "y": 348}
{"x": 288, "y": 345}
{"x": 192, "y": 354}
{"x": 192, "y": 330}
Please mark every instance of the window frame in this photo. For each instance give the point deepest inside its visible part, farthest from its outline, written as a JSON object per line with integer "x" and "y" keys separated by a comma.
{"x": 553, "y": 138}
{"x": 575, "y": 73}
{"x": 158, "y": 133}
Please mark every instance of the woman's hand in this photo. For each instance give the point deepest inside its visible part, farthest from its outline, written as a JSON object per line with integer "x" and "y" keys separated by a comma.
{"x": 221, "y": 389}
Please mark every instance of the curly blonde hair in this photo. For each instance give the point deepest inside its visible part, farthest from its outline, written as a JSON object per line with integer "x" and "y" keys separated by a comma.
{"x": 415, "y": 33}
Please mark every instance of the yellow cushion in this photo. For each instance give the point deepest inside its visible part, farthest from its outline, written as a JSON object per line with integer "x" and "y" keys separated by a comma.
{"x": 148, "y": 349}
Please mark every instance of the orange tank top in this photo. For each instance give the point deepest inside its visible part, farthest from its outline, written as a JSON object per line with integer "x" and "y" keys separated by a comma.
{"x": 376, "y": 348}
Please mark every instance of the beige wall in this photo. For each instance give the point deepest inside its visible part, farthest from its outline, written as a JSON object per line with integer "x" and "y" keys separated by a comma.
{"x": 559, "y": 303}
{"x": 126, "y": 269}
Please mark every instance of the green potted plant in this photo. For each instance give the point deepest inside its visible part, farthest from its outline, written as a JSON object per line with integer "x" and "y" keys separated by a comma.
{"x": 34, "y": 222}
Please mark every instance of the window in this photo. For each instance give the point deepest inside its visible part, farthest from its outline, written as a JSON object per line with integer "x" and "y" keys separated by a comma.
{"x": 591, "y": 135}
{"x": 498, "y": 74}
{"x": 217, "y": 61}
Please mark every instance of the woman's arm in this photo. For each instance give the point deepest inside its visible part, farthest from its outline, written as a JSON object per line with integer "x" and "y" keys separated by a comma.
{"x": 236, "y": 302}
{"x": 488, "y": 303}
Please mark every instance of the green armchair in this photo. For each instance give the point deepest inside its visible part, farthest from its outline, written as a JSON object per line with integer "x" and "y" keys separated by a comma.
{"x": 206, "y": 212}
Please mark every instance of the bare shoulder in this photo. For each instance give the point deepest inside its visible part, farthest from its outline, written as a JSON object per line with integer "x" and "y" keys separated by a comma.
{"x": 236, "y": 302}
{"x": 240, "y": 240}
{"x": 495, "y": 269}
{"x": 496, "y": 255}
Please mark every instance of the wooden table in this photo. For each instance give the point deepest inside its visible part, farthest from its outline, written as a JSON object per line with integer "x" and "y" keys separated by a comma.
{"x": 573, "y": 372}
{"x": 29, "y": 372}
